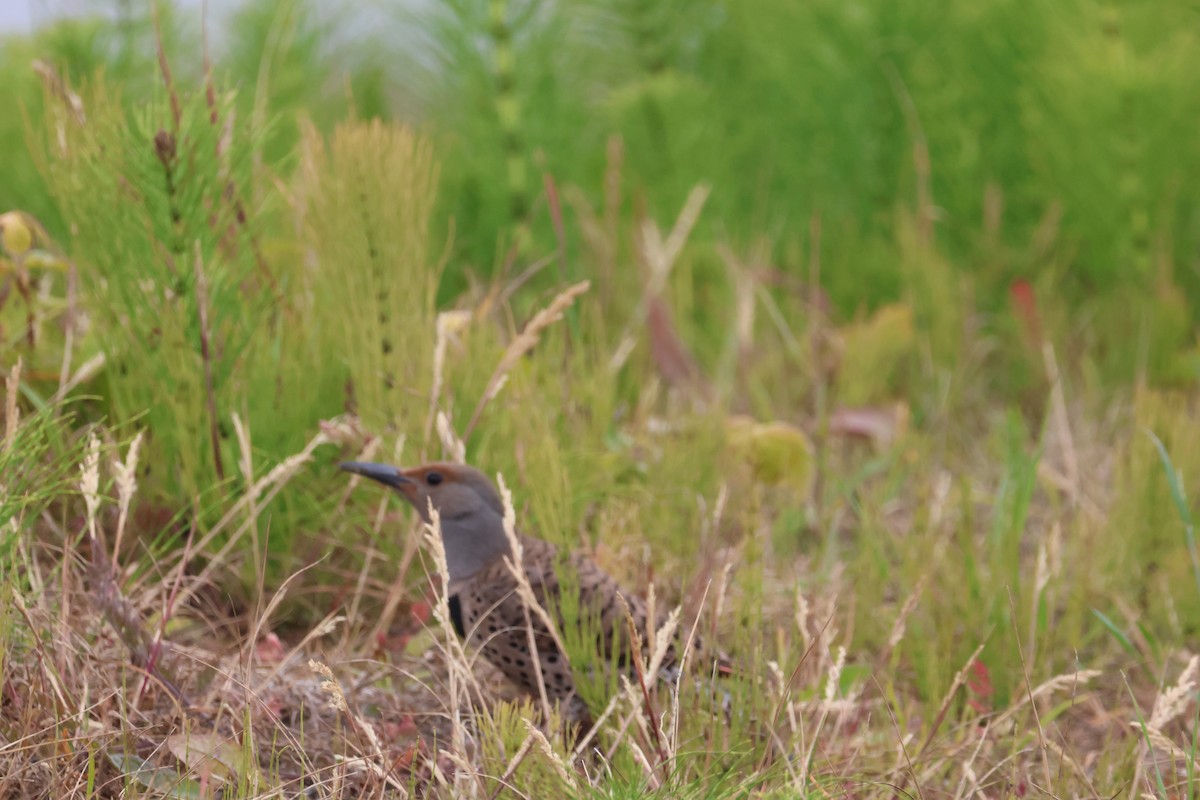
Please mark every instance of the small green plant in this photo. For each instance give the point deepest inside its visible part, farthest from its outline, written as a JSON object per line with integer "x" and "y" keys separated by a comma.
{"x": 169, "y": 263}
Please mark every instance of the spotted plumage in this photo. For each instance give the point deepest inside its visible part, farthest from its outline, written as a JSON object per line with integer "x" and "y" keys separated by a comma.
{"x": 485, "y": 603}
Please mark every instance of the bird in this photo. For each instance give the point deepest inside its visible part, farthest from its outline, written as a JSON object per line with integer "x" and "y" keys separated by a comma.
{"x": 484, "y": 603}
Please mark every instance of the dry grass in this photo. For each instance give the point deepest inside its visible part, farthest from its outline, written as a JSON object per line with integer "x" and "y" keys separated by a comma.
{"x": 116, "y": 684}
{"x": 93, "y": 723}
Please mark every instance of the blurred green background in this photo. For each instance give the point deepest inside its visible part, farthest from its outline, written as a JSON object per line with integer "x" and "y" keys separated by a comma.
{"x": 1048, "y": 141}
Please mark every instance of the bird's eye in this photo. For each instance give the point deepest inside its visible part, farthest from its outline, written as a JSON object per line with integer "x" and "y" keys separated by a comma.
{"x": 433, "y": 478}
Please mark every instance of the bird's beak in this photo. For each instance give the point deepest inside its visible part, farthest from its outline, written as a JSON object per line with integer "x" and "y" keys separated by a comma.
{"x": 384, "y": 473}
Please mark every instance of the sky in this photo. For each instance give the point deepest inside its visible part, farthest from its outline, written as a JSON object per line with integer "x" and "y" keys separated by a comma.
{"x": 20, "y": 16}
{"x": 15, "y": 16}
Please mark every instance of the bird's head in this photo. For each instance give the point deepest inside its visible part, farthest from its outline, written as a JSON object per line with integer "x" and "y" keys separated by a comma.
{"x": 469, "y": 508}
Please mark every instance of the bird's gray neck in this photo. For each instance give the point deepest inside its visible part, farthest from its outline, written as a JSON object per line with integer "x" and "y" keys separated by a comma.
{"x": 472, "y": 542}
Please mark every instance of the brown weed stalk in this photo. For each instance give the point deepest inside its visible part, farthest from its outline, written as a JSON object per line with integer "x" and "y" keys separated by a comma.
{"x": 522, "y": 344}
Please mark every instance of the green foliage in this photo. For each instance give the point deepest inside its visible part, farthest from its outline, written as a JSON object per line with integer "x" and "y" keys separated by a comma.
{"x": 370, "y": 198}
{"x": 995, "y": 114}
{"x": 21, "y": 184}
{"x": 846, "y": 111}
{"x": 1157, "y": 562}
{"x": 153, "y": 198}
{"x": 34, "y": 466}
{"x": 876, "y": 357}
{"x": 280, "y": 54}
{"x": 1127, "y": 91}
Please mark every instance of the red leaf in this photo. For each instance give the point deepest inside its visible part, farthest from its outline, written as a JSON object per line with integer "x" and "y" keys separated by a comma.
{"x": 421, "y": 611}
{"x": 269, "y": 650}
{"x": 390, "y": 643}
{"x": 403, "y": 728}
{"x": 979, "y": 687}
{"x": 404, "y": 761}
{"x": 1024, "y": 303}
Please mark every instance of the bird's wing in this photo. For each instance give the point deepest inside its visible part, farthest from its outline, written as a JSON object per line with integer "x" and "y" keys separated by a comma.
{"x": 495, "y": 620}
{"x": 602, "y": 596}
{"x": 599, "y": 597}
{"x": 602, "y": 591}
{"x": 597, "y": 592}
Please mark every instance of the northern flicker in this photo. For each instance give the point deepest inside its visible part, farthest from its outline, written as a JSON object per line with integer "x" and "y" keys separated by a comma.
{"x": 485, "y": 605}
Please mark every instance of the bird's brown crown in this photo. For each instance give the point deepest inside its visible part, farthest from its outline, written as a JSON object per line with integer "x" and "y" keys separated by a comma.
{"x": 454, "y": 489}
